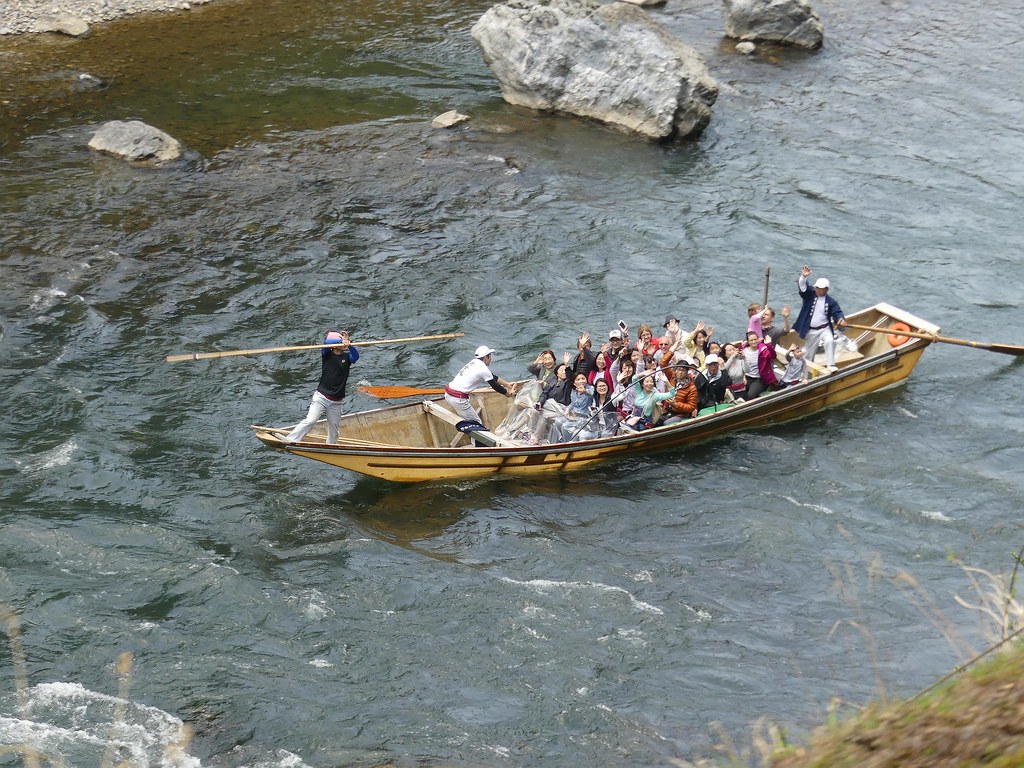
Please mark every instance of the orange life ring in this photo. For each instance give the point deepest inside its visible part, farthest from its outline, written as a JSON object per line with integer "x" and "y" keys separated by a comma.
{"x": 895, "y": 339}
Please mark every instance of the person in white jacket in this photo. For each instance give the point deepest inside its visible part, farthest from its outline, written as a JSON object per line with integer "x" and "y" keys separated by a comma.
{"x": 474, "y": 375}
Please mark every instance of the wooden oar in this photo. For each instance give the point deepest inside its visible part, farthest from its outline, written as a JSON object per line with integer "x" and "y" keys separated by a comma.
{"x": 1006, "y": 349}
{"x": 233, "y": 353}
{"x": 398, "y": 391}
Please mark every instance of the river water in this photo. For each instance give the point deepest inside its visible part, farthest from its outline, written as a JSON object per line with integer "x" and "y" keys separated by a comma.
{"x": 295, "y": 615}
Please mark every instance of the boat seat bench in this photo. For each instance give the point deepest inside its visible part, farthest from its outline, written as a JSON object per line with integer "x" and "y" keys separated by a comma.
{"x": 434, "y": 408}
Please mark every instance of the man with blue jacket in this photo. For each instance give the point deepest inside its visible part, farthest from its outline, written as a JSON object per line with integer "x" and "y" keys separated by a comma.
{"x": 819, "y": 316}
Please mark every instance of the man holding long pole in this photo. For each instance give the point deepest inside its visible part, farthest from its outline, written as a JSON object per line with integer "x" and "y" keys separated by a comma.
{"x": 336, "y": 362}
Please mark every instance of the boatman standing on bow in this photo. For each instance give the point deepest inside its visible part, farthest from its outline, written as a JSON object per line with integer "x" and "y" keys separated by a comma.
{"x": 819, "y": 316}
{"x": 474, "y": 375}
{"x": 336, "y": 362}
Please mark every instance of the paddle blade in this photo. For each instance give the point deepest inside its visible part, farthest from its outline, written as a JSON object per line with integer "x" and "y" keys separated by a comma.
{"x": 398, "y": 391}
{"x": 1006, "y": 349}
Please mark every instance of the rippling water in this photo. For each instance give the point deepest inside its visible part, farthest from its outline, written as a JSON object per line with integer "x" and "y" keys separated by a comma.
{"x": 292, "y": 614}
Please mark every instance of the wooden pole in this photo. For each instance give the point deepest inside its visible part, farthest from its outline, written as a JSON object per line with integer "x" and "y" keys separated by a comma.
{"x": 1006, "y": 349}
{"x": 264, "y": 350}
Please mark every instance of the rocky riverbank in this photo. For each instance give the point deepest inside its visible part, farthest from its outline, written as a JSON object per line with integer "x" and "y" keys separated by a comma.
{"x": 31, "y": 16}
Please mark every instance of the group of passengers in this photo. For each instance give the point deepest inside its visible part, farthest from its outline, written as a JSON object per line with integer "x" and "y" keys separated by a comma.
{"x": 631, "y": 386}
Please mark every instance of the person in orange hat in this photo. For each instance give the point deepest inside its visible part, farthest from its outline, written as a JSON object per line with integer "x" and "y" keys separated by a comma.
{"x": 336, "y": 362}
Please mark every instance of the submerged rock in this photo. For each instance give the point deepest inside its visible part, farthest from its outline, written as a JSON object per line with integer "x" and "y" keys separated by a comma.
{"x": 135, "y": 141}
{"x": 448, "y": 119}
{"x": 85, "y": 82}
{"x": 786, "y": 22}
{"x": 611, "y": 63}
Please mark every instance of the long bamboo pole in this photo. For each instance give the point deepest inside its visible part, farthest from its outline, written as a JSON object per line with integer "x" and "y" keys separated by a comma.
{"x": 264, "y": 350}
{"x": 1006, "y": 349}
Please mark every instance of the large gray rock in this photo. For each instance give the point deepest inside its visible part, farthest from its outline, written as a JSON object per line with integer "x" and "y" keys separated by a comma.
{"x": 611, "y": 63}
{"x": 787, "y": 22}
{"x": 135, "y": 141}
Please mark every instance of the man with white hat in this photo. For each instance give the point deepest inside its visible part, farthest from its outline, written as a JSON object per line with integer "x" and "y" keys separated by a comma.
{"x": 712, "y": 383}
{"x": 819, "y": 316}
{"x": 474, "y": 375}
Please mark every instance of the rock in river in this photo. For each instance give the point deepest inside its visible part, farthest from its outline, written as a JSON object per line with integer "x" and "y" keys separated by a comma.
{"x": 786, "y": 22}
{"x": 135, "y": 141}
{"x": 611, "y": 63}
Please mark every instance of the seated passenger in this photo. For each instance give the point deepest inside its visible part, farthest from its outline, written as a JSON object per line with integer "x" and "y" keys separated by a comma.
{"x": 668, "y": 358}
{"x": 556, "y": 393}
{"x": 584, "y": 360}
{"x": 646, "y": 401}
{"x": 684, "y": 404}
{"x": 712, "y": 383}
{"x": 672, "y": 331}
{"x": 768, "y": 330}
{"x": 695, "y": 342}
{"x": 732, "y": 364}
{"x": 624, "y": 392}
{"x": 573, "y": 416}
{"x": 604, "y": 417}
{"x": 543, "y": 368}
{"x": 602, "y": 369}
{"x": 646, "y": 342}
{"x": 618, "y": 338}
{"x": 758, "y": 366}
{"x": 796, "y": 371}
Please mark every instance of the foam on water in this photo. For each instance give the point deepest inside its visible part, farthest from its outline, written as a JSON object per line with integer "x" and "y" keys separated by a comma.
{"x": 57, "y": 456}
{"x": 815, "y": 507}
{"x": 72, "y": 725}
{"x": 548, "y": 585}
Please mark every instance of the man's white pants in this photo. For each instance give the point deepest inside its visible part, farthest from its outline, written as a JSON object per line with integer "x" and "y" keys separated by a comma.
{"x": 823, "y": 335}
{"x": 462, "y": 407}
{"x": 317, "y": 408}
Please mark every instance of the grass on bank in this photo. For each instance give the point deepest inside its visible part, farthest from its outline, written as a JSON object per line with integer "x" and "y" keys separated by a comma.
{"x": 973, "y": 716}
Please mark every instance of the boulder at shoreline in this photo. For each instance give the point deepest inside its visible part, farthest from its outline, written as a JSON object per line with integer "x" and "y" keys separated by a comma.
{"x": 611, "y": 63}
{"x": 64, "y": 23}
{"x": 37, "y": 16}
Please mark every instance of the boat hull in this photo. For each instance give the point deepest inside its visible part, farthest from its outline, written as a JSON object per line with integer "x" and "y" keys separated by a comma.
{"x": 406, "y": 464}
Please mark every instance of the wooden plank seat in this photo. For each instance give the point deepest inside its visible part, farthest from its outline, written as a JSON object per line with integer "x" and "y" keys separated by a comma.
{"x": 434, "y": 408}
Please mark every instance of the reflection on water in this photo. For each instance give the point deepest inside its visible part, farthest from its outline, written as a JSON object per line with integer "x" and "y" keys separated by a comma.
{"x": 410, "y": 516}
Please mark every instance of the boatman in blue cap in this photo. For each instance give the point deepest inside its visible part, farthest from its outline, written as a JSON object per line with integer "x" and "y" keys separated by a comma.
{"x": 819, "y": 316}
{"x": 336, "y": 362}
{"x": 474, "y": 375}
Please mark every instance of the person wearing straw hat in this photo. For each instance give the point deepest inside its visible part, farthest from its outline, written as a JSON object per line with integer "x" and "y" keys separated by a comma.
{"x": 474, "y": 375}
{"x": 336, "y": 362}
{"x": 819, "y": 316}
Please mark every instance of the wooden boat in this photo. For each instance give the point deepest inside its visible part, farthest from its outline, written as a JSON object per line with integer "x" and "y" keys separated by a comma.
{"x": 418, "y": 441}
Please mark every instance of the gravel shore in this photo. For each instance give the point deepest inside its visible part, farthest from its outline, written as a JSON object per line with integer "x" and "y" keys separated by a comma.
{"x": 21, "y": 16}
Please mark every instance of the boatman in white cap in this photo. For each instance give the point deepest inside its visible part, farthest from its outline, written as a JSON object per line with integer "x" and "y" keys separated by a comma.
{"x": 819, "y": 316}
{"x": 474, "y": 375}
